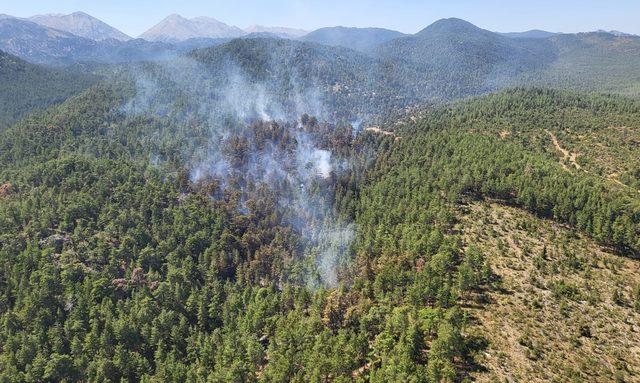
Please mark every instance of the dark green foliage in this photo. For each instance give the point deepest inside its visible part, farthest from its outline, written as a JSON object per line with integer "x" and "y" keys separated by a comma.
{"x": 345, "y": 82}
{"x": 27, "y": 87}
{"x": 113, "y": 269}
{"x": 468, "y": 163}
{"x": 117, "y": 265}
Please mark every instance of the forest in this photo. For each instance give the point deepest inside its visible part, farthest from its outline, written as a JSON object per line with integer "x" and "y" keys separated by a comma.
{"x": 356, "y": 205}
{"x": 118, "y": 267}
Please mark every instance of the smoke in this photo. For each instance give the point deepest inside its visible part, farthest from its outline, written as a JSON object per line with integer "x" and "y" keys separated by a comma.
{"x": 252, "y": 137}
{"x": 334, "y": 244}
{"x": 313, "y": 161}
{"x": 356, "y": 126}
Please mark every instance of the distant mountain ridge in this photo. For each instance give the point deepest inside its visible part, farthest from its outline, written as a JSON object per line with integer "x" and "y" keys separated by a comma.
{"x": 460, "y": 58}
{"x": 176, "y": 28}
{"x": 40, "y": 44}
{"x": 531, "y": 34}
{"x": 617, "y": 33}
{"x": 283, "y": 32}
{"x": 81, "y": 24}
{"x": 44, "y": 45}
{"x": 450, "y": 58}
{"x": 360, "y": 39}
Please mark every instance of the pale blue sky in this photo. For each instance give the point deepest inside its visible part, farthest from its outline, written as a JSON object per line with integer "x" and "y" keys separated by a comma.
{"x": 135, "y": 16}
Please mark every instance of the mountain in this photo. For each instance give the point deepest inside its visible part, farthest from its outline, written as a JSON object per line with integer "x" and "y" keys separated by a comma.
{"x": 448, "y": 60}
{"x": 43, "y": 45}
{"x": 459, "y": 59}
{"x": 554, "y": 287}
{"x": 532, "y": 34}
{"x": 176, "y": 28}
{"x": 81, "y": 24}
{"x": 282, "y": 32}
{"x": 592, "y": 61}
{"x": 40, "y": 44}
{"x": 361, "y": 39}
{"x": 344, "y": 82}
{"x": 27, "y": 87}
{"x": 617, "y": 33}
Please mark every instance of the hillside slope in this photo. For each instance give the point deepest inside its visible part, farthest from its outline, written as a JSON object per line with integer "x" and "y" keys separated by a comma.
{"x": 594, "y": 135}
{"x": 563, "y": 307}
{"x": 159, "y": 226}
{"x": 460, "y": 59}
{"x": 360, "y": 39}
{"x": 562, "y": 301}
{"x": 317, "y": 79}
{"x": 601, "y": 62}
{"x": 176, "y": 28}
{"x": 27, "y": 87}
{"x": 81, "y": 24}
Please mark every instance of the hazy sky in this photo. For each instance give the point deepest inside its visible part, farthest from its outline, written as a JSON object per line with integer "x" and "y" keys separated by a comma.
{"x": 135, "y": 16}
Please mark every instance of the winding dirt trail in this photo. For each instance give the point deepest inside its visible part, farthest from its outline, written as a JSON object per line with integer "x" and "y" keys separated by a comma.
{"x": 572, "y": 159}
{"x": 567, "y": 155}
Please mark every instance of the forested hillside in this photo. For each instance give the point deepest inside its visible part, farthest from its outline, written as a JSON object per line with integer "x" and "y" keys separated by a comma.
{"x": 360, "y": 73}
{"x": 295, "y": 251}
{"x": 360, "y": 39}
{"x": 448, "y": 60}
{"x": 564, "y": 309}
{"x": 357, "y": 205}
{"x": 115, "y": 268}
{"x": 592, "y": 134}
{"x": 515, "y": 165}
{"x": 27, "y": 87}
{"x": 597, "y": 61}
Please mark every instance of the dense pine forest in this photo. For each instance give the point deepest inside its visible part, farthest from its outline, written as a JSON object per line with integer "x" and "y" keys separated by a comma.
{"x": 275, "y": 210}
{"x": 116, "y": 267}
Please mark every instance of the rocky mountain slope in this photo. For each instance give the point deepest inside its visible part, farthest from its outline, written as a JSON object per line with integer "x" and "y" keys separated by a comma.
{"x": 81, "y": 24}
{"x": 176, "y": 28}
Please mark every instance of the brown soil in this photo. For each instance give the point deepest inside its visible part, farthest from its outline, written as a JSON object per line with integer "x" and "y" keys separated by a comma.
{"x": 566, "y": 155}
{"x": 551, "y": 317}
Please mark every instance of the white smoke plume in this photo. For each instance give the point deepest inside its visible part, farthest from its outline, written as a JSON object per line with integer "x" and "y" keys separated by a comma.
{"x": 227, "y": 103}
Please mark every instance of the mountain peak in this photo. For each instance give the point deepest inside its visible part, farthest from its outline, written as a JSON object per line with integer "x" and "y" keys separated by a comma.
{"x": 205, "y": 18}
{"x": 175, "y": 16}
{"x": 175, "y": 28}
{"x": 450, "y": 25}
{"x": 80, "y": 24}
